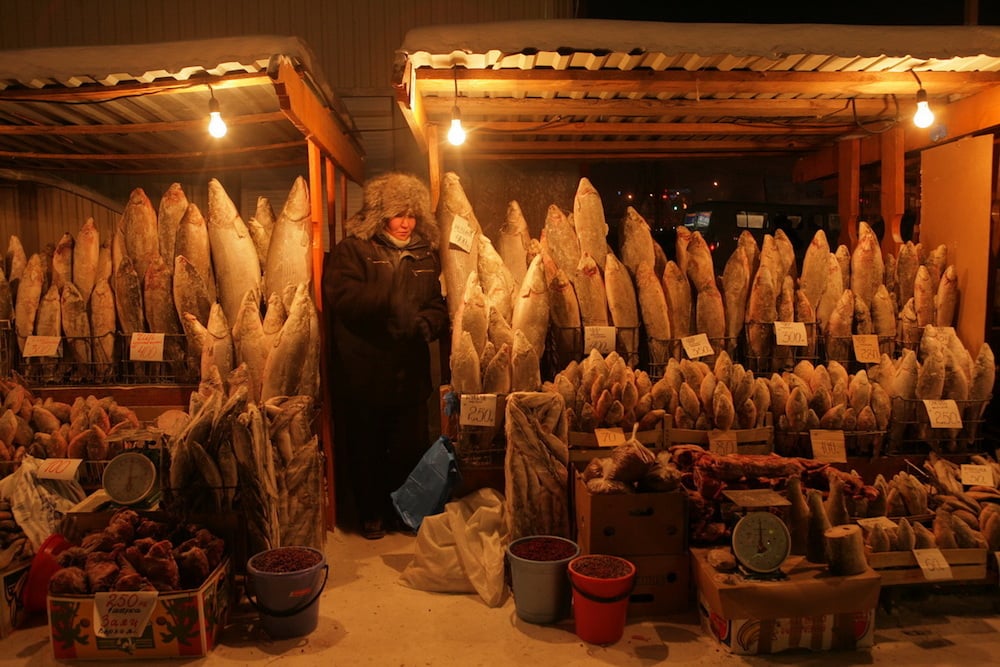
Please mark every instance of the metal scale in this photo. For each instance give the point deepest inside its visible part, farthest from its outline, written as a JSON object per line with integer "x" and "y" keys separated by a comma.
{"x": 761, "y": 541}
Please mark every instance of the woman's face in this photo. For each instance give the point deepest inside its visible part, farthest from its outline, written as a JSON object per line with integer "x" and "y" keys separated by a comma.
{"x": 401, "y": 227}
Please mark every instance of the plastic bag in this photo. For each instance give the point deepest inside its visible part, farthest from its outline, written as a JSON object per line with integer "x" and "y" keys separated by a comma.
{"x": 39, "y": 505}
{"x": 462, "y": 550}
{"x": 428, "y": 486}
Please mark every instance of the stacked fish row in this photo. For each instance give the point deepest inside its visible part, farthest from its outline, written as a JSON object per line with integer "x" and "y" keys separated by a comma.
{"x": 199, "y": 280}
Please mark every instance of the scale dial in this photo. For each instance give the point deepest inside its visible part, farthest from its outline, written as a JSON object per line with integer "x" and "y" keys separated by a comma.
{"x": 761, "y": 541}
{"x": 129, "y": 478}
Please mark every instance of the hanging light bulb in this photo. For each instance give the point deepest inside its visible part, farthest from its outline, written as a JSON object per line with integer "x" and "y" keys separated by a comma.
{"x": 456, "y": 134}
{"x": 216, "y": 126}
{"x": 923, "y": 117}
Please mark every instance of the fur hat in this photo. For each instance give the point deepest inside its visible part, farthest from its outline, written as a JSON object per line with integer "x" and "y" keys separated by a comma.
{"x": 389, "y": 195}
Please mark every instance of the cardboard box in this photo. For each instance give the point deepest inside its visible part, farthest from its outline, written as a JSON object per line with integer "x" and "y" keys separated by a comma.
{"x": 622, "y": 524}
{"x": 900, "y": 567}
{"x": 662, "y": 585}
{"x": 183, "y": 624}
{"x": 810, "y": 609}
{"x": 11, "y": 608}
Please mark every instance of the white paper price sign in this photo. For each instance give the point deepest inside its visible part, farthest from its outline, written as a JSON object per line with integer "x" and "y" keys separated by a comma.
{"x": 871, "y": 521}
{"x": 609, "y": 437}
{"x": 722, "y": 442}
{"x": 478, "y": 410}
{"x": 943, "y": 413}
{"x": 933, "y": 564}
{"x": 123, "y": 614}
{"x": 790, "y": 333}
{"x": 601, "y": 339}
{"x": 697, "y": 346}
{"x": 42, "y": 346}
{"x": 866, "y": 348}
{"x": 146, "y": 347}
{"x": 828, "y": 445}
{"x": 462, "y": 233}
{"x": 977, "y": 475}
{"x": 58, "y": 468}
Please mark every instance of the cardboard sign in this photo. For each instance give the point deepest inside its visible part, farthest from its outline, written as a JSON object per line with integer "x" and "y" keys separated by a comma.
{"x": 872, "y": 521}
{"x": 757, "y": 498}
{"x": 601, "y": 339}
{"x": 977, "y": 475}
{"x": 609, "y": 437}
{"x": 42, "y": 346}
{"x": 933, "y": 564}
{"x": 58, "y": 468}
{"x": 123, "y": 614}
{"x": 146, "y": 347}
{"x": 866, "y": 348}
{"x": 697, "y": 346}
{"x": 828, "y": 445}
{"x": 943, "y": 413}
{"x": 722, "y": 442}
{"x": 791, "y": 333}
{"x": 478, "y": 410}
{"x": 462, "y": 233}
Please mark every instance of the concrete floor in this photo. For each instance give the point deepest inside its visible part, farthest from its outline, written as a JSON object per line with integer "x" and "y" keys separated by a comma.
{"x": 368, "y": 618}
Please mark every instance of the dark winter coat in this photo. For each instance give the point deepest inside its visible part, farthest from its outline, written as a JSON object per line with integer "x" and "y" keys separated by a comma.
{"x": 386, "y": 301}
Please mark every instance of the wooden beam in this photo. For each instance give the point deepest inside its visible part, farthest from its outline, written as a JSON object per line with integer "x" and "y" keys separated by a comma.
{"x": 103, "y": 92}
{"x": 166, "y": 157}
{"x": 434, "y": 165}
{"x": 136, "y": 128}
{"x": 411, "y": 106}
{"x": 52, "y": 181}
{"x": 598, "y": 128}
{"x": 175, "y": 169}
{"x": 472, "y": 144}
{"x": 848, "y": 191}
{"x": 893, "y": 189}
{"x": 596, "y": 154}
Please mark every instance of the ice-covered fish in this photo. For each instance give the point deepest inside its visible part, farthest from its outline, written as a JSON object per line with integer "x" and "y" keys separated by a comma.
{"x": 288, "y": 361}
{"x": 497, "y": 282}
{"x": 466, "y": 377}
{"x": 499, "y": 331}
{"x": 748, "y": 243}
{"x": 512, "y": 244}
{"x": 48, "y": 320}
{"x": 29, "y": 295}
{"x": 683, "y": 237}
{"x": 814, "y": 269}
{"x": 217, "y": 349}
{"x": 624, "y": 307}
{"x": 680, "y": 300}
{"x": 531, "y": 307}
{"x": 983, "y": 374}
{"x": 923, "y": 297}
{"x": 196, "y": 335}
{"x": 62, "y": 261}
{"x": 15, "y": 261}
{"x": 588, "y": 219}
{"x": 936, "y": 262}
{"x": 866, "y": 264}
{"x": 234, "y": 256}
{"x": 564, "y": 308}
{"x": 274, "y": 318}
{"x": 770, "y": 257}
{"x": 882, "y": 313}
{"x": 497, "y": 374}
{"x": 76, "y": 327}
{"x": 833, "y": 289}
{"x": 653, "y": 309}
{"x": 192, "y": 242}
{"x": 128, "y": 298}
{"x": 636, "y": 241}
{"x": 86, "y": 257}
{"x": 190, "y": 291}
{"x": 454, "y": 214}
{"x": 102, "y": 328}
{"x": 907, "y": 261}
{"x": 590, "y": 292}
{"x": 862, "y": 316}
{"x": 735, "y": 292}
{"x": 710, "y": 316}
{"x": 946, "y": 299}
{"x": 289, "y": 254}
{"x": 250, "y": 344}
{"x": 806, "y": 313}
{"x": 761, "y": 312}
{"x": 786, "y": 251}
{"x": 173, "y": 206}
{"x": 843, "y": 256}
{"x": 559, "y": 240}
{"x": 839, "y": 328}
{"x": 472, "y": 315}
{"x": 158, "y": 305}
{"x": 261, "y": 225}
{"x": 700, "y": 266}
{"x": 139, "y": 230}
{"x": 525, "y": 371}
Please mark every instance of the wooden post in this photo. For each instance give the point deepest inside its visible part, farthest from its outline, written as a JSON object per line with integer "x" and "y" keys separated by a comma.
{"x": 893, "y": 188}
{"x": 434, "y": 166}
{"x": 848, "y": 192}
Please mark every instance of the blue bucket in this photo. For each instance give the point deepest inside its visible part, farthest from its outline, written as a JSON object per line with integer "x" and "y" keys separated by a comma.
{"x": 288, "y": 602}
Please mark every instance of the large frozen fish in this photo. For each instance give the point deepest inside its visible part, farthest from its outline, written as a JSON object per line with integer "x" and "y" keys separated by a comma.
{"x": 173, "y": 206}
{"x": 466, "y": 377}
{"x": 839, "y": 328}
{"x": 499, "y": 331}
{"x": 786, "y": 251}
{"x": 287, "y": 361}
{"x": 15, "y": 261}
{"x": 866, "y": 264}
{"x": 813, "y": 278}
{"x": 749, "y": 244}
{"x": 473, "y": 314}
{"x": 923, "y": 296}
{"x": 234, "y": 256}
{"x": 882, "y": 313}
{"x": 588, "y": 218}
{"x": 190, "y": 291}
{"x": 833, "y": 288}
{"x": 196, "y": 335}
{"x": 261, "y": 225}
{"x": 29, "y": 295}
{"x": 62, "y": 261}
{"x": 700, "y": 266}
{"x": 6, "y": 299}
{"x": 158, "y": 304}
{"x": 770, "y": 257}
{"x": 655, "y": 316}
{"x": 48, "y": 320}
{"x": 102, "y": 328}
{"x": 192, "y": 243}
{"x": 496, "y": 279}
{"x": 531, "y": 307}
{"x": 455, "y": 212}
{"x": 590, "y": 291}
{"x": 105, "y": 268}
{"x": 683, "y": 237}
{"x": 636, "y": 241}
{"x": 983, "y": 374}
{"x": 907, "y": 329}
{"x": 806, "y": 313}
{"x": 525, "y": 372}
{"x": 930, "y": 377}
{"x": 710, "y": 315}
{"x": 274, "y": 318}
{"x": 564, "y": 307}
{"x": 86, "y": 257}
{"x": 735, "y": 292}
{"x": 217, "y": 349}
{"x": 128, "y": 298}
{"x": 514, "y": 241}
{"x": 907, "y": 261}
{"x": 76, "y": 326}
{"x": 559, "y": 240}
{"x": 843, "y": 256}
{"x": 250, "y": 343}
{"x": 862, "y": 316}
{"x": 624, "y": 307}
{"x": 946, "y": 300}
{"x": 936, "y": 262}
{"x": 785, "y": 312}
{"x": 289, "y": 254}
{"x": 139, "y": 231}
{"x": 497, "y": 374}
{"x": 761, "y": 312}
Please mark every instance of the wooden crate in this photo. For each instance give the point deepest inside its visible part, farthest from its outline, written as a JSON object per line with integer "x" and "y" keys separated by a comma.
{"x": 900, "y": 567}
{"x": 748, "y": 440}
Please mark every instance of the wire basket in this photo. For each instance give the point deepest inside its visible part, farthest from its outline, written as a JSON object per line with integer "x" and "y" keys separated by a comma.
{"x": 479, "y": 446}
{"x": 910, "y": 430}
{"x": 762, "y": 354}
{"x": 175, "y": 368}
{"x": 841, "y": 350}
{"x": 856, "y": 443}
{"x": 8, "y": 347}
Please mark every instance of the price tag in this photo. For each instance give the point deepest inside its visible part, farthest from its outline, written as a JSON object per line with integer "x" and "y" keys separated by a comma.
{"x": 977, "y": 475}
{"x": 42, "y": 346}
{"x": 601, "y": 339}
{"x": 866, "y": 348}
{"x": 146, "y": 347}
{"x": 933, "y": 564}
{"x": 609, "y": 437}
{"x": 463, "y": 234}
{"x": 757, "y": 498}
{"x": 58, "y": 468}
{"x": 790, "y": 333}
{"x": 828, "y": 445}
{"x": 872, "y": 521}
{"x": 478, "y": 410}
{"x": 123, "y": 614}
{"x": 697, "y": 346}
{"x": 943, "y": 413}
{"x": 722, "y": 442}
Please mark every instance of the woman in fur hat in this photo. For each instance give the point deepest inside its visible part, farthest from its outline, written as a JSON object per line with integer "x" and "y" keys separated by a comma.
{"x": 384, "y": 291}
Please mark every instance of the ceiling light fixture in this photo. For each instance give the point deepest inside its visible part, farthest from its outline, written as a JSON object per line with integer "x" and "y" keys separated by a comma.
{"x": 216, "y": 126}
{"x": 456, "y": 135}
{"x": 923, "y": 117}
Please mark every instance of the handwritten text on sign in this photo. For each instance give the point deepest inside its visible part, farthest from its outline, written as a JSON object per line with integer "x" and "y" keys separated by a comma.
{"x": 601, "y": 339}
{"x": 146, "y": 347}
{"x": 697, "y": 346}
{"x": 609, "y": 437}
{"x": 58, "y": 468}
{"x": 478, "y": 410}
{"x": 462, "y": 233}
{"x": 933, "y": 564}
{"x": 722, "y": 442}
{"x": 790, "y": 333}
{"x": 123, "y": 614}
{"x": 977, "y": 475}
{"x": 943, "y": 413}
{"x": 828, "y": 445}
{"x": 41, "y": 346}
{"x": 866, "y": 348}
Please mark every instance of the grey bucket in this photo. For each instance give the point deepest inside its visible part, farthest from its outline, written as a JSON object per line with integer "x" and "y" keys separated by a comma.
{"x": 542, "y": 592}
{"x": 288, "y": 602}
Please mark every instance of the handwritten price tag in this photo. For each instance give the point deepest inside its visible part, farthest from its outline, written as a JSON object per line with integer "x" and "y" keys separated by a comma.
{"x": 697, "y": 346}
{"x": 123, "y": 614}
{"x": 872, "y": 521}
{"x": 828, "y": 445}
{"x": 609, "y": 437}
{"x": 146, "y": 347}
{"x": 722, "y": 442}
{"x": 58, "y": 468}
{"x": 757, "y": 498}
{"x": 977, "y": 475}
{"x": 601, "y": 339}
{"x": 42, "y": 346}
{"x": 790, "y": 333}
{"x": 933, "y": 564}
{"x": 462, "y": 233}
{"x": 866, "y": 348}
{"x": 478, "y": 410}
{"x": 943, "y": 413}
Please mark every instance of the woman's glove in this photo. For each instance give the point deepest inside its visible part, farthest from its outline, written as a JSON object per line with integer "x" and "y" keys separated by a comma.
{"x": 424, "y": 328}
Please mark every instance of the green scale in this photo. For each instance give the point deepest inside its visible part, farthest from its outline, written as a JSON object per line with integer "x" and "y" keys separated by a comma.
{"x": 761, "y": 541}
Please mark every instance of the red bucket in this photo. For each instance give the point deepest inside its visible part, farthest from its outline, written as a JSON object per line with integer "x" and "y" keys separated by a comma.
{"x": 44, "y": 564}
{"x": 601, "y": 589}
